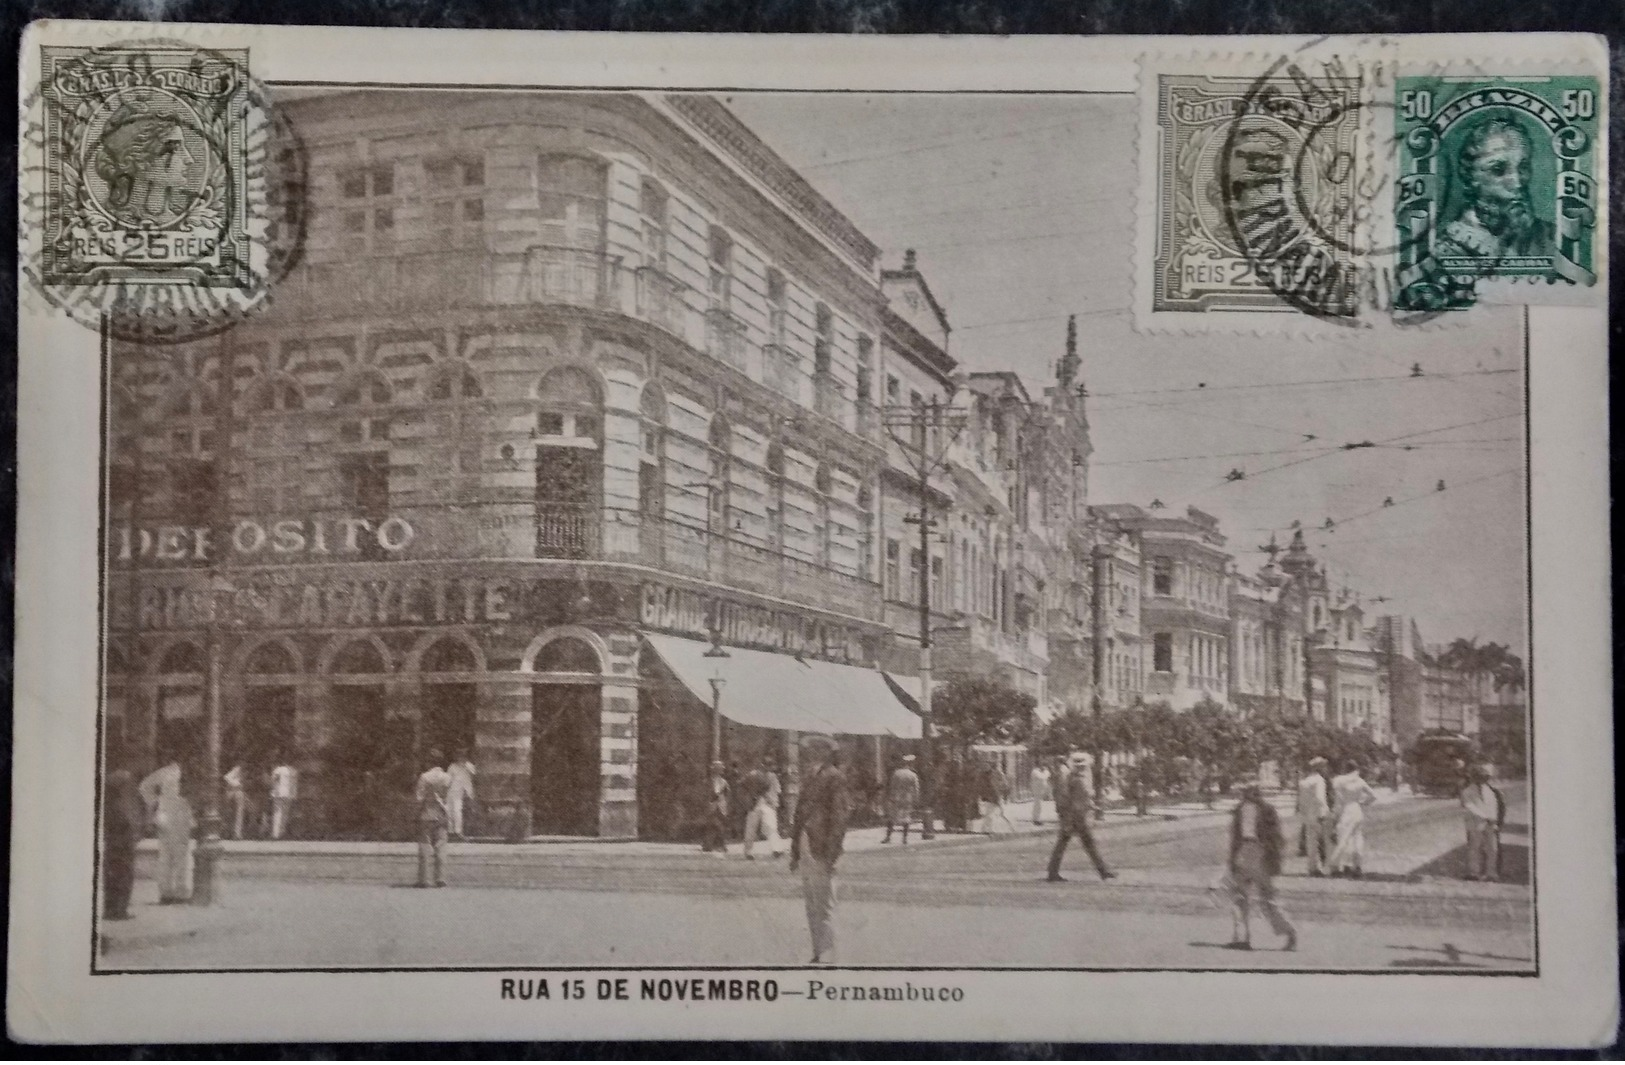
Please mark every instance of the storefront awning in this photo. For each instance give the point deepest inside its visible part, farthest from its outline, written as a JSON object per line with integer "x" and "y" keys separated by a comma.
{"x": 776, "y": 691}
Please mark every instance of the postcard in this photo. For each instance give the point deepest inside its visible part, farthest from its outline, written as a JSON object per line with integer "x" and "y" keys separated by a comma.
{"x": 553, "y": 536}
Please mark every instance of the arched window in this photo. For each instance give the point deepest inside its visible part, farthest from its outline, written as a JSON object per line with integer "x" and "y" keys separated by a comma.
{"x": 569, "y": 408}
{"x": 359, "y": 656}
{"x": 365, "y": 399}
{"x": 566, "y": 655}
{"x": 570, "y": 195}
{"x": 270, "y": 658}
{"x": 448, "y": 656}
{"x": 456, "y": 381}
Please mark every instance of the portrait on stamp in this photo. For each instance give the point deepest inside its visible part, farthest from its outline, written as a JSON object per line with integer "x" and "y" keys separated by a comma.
{"x": 1496, "y": 180}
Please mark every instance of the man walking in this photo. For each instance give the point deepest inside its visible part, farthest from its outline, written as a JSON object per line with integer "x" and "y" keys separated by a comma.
{"x": 1313, "y": 812}
{"x": 434, "y": 785}
{"x": 1073, "y": 805}
{"x": 1483, "y": 811}
{"x": 902, "y": 795}
{"x": 762, "y": 790}
{"x": 818, "y": 838}
{"x": 1255, "y": 861}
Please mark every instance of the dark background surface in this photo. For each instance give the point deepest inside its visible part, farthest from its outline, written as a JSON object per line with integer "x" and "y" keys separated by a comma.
{"x": 798, "y": 16}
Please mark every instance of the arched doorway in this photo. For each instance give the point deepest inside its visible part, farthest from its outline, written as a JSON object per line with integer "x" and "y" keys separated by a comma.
{"x": 178, "y": 731}
{"x": 569, "y": 464}
{"x": 564, "y": 739}
{"x": 365, "y": 769}
{"x": 263, "y": 734}
{"x": 450, "y": 699}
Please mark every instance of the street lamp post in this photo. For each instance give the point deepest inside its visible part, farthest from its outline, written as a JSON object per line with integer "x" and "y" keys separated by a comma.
{"x": 716, "y": 651}
{"x": 931, "y": 429}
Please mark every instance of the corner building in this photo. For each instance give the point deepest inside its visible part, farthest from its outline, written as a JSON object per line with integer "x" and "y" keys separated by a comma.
{"x": 566, "y": 390}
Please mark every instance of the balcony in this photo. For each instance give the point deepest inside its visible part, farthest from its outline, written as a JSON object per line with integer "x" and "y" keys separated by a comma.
{"x": 566, "y": 531}
{"x": 409, "y": 284}
{"x": 662, "y": 300}
{"x": 829, "y": 400}
{"x": 695, "y": 551}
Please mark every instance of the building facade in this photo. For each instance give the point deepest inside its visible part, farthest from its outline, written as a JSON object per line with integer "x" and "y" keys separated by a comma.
{"x": 555, "y": 373}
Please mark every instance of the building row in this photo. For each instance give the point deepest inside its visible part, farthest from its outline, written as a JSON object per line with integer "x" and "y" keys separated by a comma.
{"x": 588, "y": 440}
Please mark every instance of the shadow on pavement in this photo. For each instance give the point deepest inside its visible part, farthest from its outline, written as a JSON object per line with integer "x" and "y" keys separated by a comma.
{"x": 1514, "y": 859}
{"x": 1449, "y": 956}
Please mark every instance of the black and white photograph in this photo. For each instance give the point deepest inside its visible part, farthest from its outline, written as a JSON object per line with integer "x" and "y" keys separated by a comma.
{"x": 771, "y": 544}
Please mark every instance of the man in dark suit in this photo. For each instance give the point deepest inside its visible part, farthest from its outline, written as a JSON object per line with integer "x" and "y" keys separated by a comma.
{"x": 1255, "y": 861}
{"x": 1073, "y": 805}
{"x": 819, "y": 837}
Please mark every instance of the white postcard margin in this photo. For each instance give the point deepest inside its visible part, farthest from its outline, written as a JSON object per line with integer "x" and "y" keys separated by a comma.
{"x": 54, "y": 998}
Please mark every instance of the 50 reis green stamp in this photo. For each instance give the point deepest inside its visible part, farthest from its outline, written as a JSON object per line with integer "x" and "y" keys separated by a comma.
{"x": 1497, "y": 178}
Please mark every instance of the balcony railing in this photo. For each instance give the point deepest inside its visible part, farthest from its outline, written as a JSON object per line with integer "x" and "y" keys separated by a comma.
{"x": 662, "y": 300}
{"x": 680, "y": 547}
{"x": 829, "y": 400}
{"x": 564, "y": 531}
{"x": 447, "y": 280}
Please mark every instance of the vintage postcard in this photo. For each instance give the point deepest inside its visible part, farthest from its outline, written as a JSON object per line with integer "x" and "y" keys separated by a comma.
{"x": 539, "y": 536}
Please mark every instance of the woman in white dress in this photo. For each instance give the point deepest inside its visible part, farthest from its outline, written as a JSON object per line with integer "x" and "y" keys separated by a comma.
{"x": 1350, "y": 796}
{"x": 171, "y": 814}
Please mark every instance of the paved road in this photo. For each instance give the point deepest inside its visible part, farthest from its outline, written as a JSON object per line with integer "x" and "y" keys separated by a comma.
{"x": 965, "y": 902}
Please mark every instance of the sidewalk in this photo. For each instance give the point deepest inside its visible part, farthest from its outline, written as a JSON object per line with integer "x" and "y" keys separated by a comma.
{"x": 1118, "y": 814}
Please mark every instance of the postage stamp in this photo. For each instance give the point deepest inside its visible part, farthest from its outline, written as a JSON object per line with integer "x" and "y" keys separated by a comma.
{"x": 1249, "y": 208}
{"x": 1496, "y": 179}
{"x": 160, "y": 198}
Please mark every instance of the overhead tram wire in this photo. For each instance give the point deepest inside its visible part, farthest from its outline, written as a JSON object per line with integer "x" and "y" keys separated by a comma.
{"x": 1267, "y": 385}
{"x": 1386, "y": 507}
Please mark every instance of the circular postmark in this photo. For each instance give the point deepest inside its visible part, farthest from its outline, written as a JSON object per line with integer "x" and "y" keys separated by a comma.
{"x": 1304, "y": 198}
{"x": 162, "y": 196}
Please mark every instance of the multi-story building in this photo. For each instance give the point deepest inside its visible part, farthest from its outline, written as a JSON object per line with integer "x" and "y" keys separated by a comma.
{"x": 1267, "y": 668}
{"x": 1350, "y": 687}
{"x": 1184, "y": 603}
{"x": 565, "y": 390}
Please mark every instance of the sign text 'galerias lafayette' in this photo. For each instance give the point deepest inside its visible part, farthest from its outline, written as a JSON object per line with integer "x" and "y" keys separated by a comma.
{"x": 288, "y": 538}
{"x": 314, "y": 603}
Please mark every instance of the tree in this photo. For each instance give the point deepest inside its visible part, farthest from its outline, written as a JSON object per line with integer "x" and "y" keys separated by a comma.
{"x": 972, "y": 709}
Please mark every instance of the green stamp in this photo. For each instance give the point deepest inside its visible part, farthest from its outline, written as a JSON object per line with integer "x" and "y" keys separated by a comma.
{"x": 1497, "y": 179}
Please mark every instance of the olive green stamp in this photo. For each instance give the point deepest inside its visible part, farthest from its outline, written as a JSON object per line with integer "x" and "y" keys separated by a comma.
{"x": 1497, "y": 179}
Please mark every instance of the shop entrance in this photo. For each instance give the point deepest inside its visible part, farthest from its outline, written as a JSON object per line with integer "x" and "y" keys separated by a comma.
{"x": 564, "y": 753}
{"x": 355, "y": 769}
{"x": 449, "y": 702}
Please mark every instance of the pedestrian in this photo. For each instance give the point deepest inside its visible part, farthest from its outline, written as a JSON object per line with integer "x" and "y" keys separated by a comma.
{"x": 237, "y": 798}
{"x": 996, "y": 792}
{"x": 1040, "y": 785}
{"x": 818, "y": 839}
{"x": 1313, "y": 811}
{"x": 434, "y": 814}
{"x": 717, "y": 794}
{"x": 1483, "y": 812}
{"x": 1350, "y": 796}
{"x": 284, "y": 790}
{"x": 123, "y": 819}
{"x": 1255, "y": 862}
{"x": 1073, "y": 806}
{"x": 461, "y": 795}
{"x": 902, "y": 795}
{"x": 171, "y": 814}
{"x": 762, "y": 785}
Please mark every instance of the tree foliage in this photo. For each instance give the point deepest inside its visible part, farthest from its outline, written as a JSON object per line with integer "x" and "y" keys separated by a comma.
{"x": 973, "y": 709}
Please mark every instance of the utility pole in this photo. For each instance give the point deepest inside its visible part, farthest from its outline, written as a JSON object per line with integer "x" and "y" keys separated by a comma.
{"x": 206, "y": 879}
{"x": 1099, "y": 553}
{"x": 931, "y": 430}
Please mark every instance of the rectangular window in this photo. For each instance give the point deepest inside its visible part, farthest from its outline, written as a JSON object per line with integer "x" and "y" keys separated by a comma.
{"x": 776, "y": 308}
{"x": 720, "y": 254}
{"x": 912, "y": 595}
{"x": 652, "y": 203}
{"x": 570, "y": 194}
{"x": 364, "y": 489}
{"x": 936, "y": 582}
{"x": 823, "y": 341}
{"x": 1162, "y": 578}
{"x": 892, "y": 576}
{"x": 1162, "y": 652}
{"x": 894, "y": 390}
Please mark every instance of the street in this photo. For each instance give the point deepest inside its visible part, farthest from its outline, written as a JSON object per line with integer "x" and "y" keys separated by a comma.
{"x": 958, "y": 902}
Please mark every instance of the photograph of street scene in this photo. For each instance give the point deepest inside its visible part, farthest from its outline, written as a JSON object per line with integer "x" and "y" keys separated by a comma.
{"x": 679, "y": 530}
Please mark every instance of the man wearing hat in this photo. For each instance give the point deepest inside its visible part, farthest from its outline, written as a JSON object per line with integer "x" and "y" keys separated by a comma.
{"x": 1313, "y": 813}
{"x": 818, "y": 838}
{"x": 901, "y": 796}
{"x": 716, "y": 811}
{"x": 1484, "y": 812}
{"x": 1255, "y": 861}
{"x": 1073, "y": 805}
